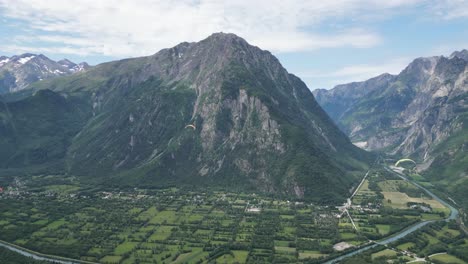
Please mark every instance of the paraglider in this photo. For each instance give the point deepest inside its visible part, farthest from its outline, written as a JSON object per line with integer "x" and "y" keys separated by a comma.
{"x": 191, "y": 126}
{"x": 404, "y": 160}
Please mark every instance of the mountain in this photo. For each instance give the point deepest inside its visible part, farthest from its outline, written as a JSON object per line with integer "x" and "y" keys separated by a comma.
{"x": 73, "y": 67}
{"x": 37, "y": 130}
{"x": 463, "y": 54}
{"x": 420, "y": 113}
{"x": 218, "y": 112}
{"x": 405, "y": 114}
{"x": 338, "y": 101}
{"x": 18, "y": 72}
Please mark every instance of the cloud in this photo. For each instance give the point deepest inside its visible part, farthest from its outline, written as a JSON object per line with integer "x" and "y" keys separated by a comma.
{"x": 447, "y": 49}
{"x": 297, "y": 41}
{"x": 358, "y": 72}
{"x": 19, "y": 49}
{"x": 451, "y": 9}
{"x": 142, "y": 27}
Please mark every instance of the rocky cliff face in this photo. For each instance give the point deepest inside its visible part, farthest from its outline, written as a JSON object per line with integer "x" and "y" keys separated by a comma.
{"x": 18, "y": 72}
{"x": 408, "y": 114}
{"x": 463, "y": 54}
{"x": 421, "y": 113}
{"x": 339, "y": 101}
{"x": 218, "y": 112}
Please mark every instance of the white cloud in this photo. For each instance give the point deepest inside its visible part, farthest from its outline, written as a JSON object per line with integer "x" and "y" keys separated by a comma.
{"x": 358, "y": 72}
{"x": 366, "y": 71}
{"x": 298, "y": 41}
{"x": 451, "y": 9}
{"x": 19, "y": 49}
{"x": 142, "y": 27}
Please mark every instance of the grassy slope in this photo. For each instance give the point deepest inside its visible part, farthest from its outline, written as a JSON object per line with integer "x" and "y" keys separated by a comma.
{"x": 104, "y": 146}
{"x": 38, "y": 130}
{"x": 449, "y": 170}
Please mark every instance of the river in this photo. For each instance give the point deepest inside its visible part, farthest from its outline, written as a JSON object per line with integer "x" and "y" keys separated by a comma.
{"x": 393, "y": 238}
{"x": 453, "y": 215}
{"x": 33, "y": 255}
{"x": 453, "y": 211}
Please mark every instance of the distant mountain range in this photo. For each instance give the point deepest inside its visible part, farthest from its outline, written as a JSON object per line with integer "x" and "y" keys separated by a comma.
{"x": 218, "y": 112}
{"x": 420, "y": 113}
{"x": 18, "y": 72}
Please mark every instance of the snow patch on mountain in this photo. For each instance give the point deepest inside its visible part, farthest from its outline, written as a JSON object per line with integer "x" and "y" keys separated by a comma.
{"x": 4, "y": 61}
{"x": 25, "y": 59}
{"x": 22, "y": 70}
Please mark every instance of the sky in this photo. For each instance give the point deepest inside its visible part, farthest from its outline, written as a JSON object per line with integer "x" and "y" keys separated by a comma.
{"x": 325, "y": 43}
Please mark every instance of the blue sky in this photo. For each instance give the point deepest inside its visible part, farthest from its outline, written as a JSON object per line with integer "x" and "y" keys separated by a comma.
{"x": 323, "y": 42}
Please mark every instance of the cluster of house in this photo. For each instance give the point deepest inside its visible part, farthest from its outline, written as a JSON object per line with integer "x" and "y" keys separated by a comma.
{"x": 424, "y": 208}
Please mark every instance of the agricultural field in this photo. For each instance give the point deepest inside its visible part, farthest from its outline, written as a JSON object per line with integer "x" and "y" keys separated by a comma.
{"x": 446, "y": 258}
{"x": 441, "y": 242}
{"x": 191, "y": 226}
{"x": 168, "y": 225}
{"x": 385, "y": 204}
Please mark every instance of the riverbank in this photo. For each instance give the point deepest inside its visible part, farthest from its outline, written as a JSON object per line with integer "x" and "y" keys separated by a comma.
{"x": 453, "y": 216}
{"x": 40, "y": 256}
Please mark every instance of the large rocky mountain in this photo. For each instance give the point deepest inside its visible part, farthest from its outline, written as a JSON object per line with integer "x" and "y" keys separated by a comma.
{"x": 406, "y": 114}
{"x": 420, "y": 113}
{"x": 18, "y": 72}
{"x": 218, "y": 112}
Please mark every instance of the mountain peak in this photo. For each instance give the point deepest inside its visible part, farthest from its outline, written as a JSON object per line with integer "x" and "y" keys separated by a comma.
{"x": 244, "y": 110}
{"x": 23, "y": 58}
{"x": 424, "y": 85}
{"x": 4, "y": 60}
{"x": 84, "y": 64}
{"x": 463, "y": 54}
{"x": 224, "y": 36}
{"x": 22, "y": 70}
{"x": 24, "y": 55}
{"x": 217, "y": 53}
{"x": 66, "y": 62}
{"x": 226, "y": 40}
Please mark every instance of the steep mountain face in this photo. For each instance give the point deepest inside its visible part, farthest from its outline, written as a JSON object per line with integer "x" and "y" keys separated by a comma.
{"x": 218, "y": 112}
{"x": 73, "y": 67}
{"x": 337, "y": 101}
{"x": 37, "y": 130}
{"x": 407, "y": 114}
{"x": 421, "y": 113}
{"x": 463, "y": 54}
{"x": 18, "y": 72}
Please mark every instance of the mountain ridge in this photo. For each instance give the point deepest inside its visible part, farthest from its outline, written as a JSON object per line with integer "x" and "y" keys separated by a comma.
{"x": 421, "y": 113}
{"x": 19, "y": 71}
{"x": 253, "y": 124}
{"x": 420, "y": 78}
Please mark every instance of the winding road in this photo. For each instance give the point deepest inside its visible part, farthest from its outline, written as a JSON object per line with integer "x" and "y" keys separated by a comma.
{"x": 453, "y": 215}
